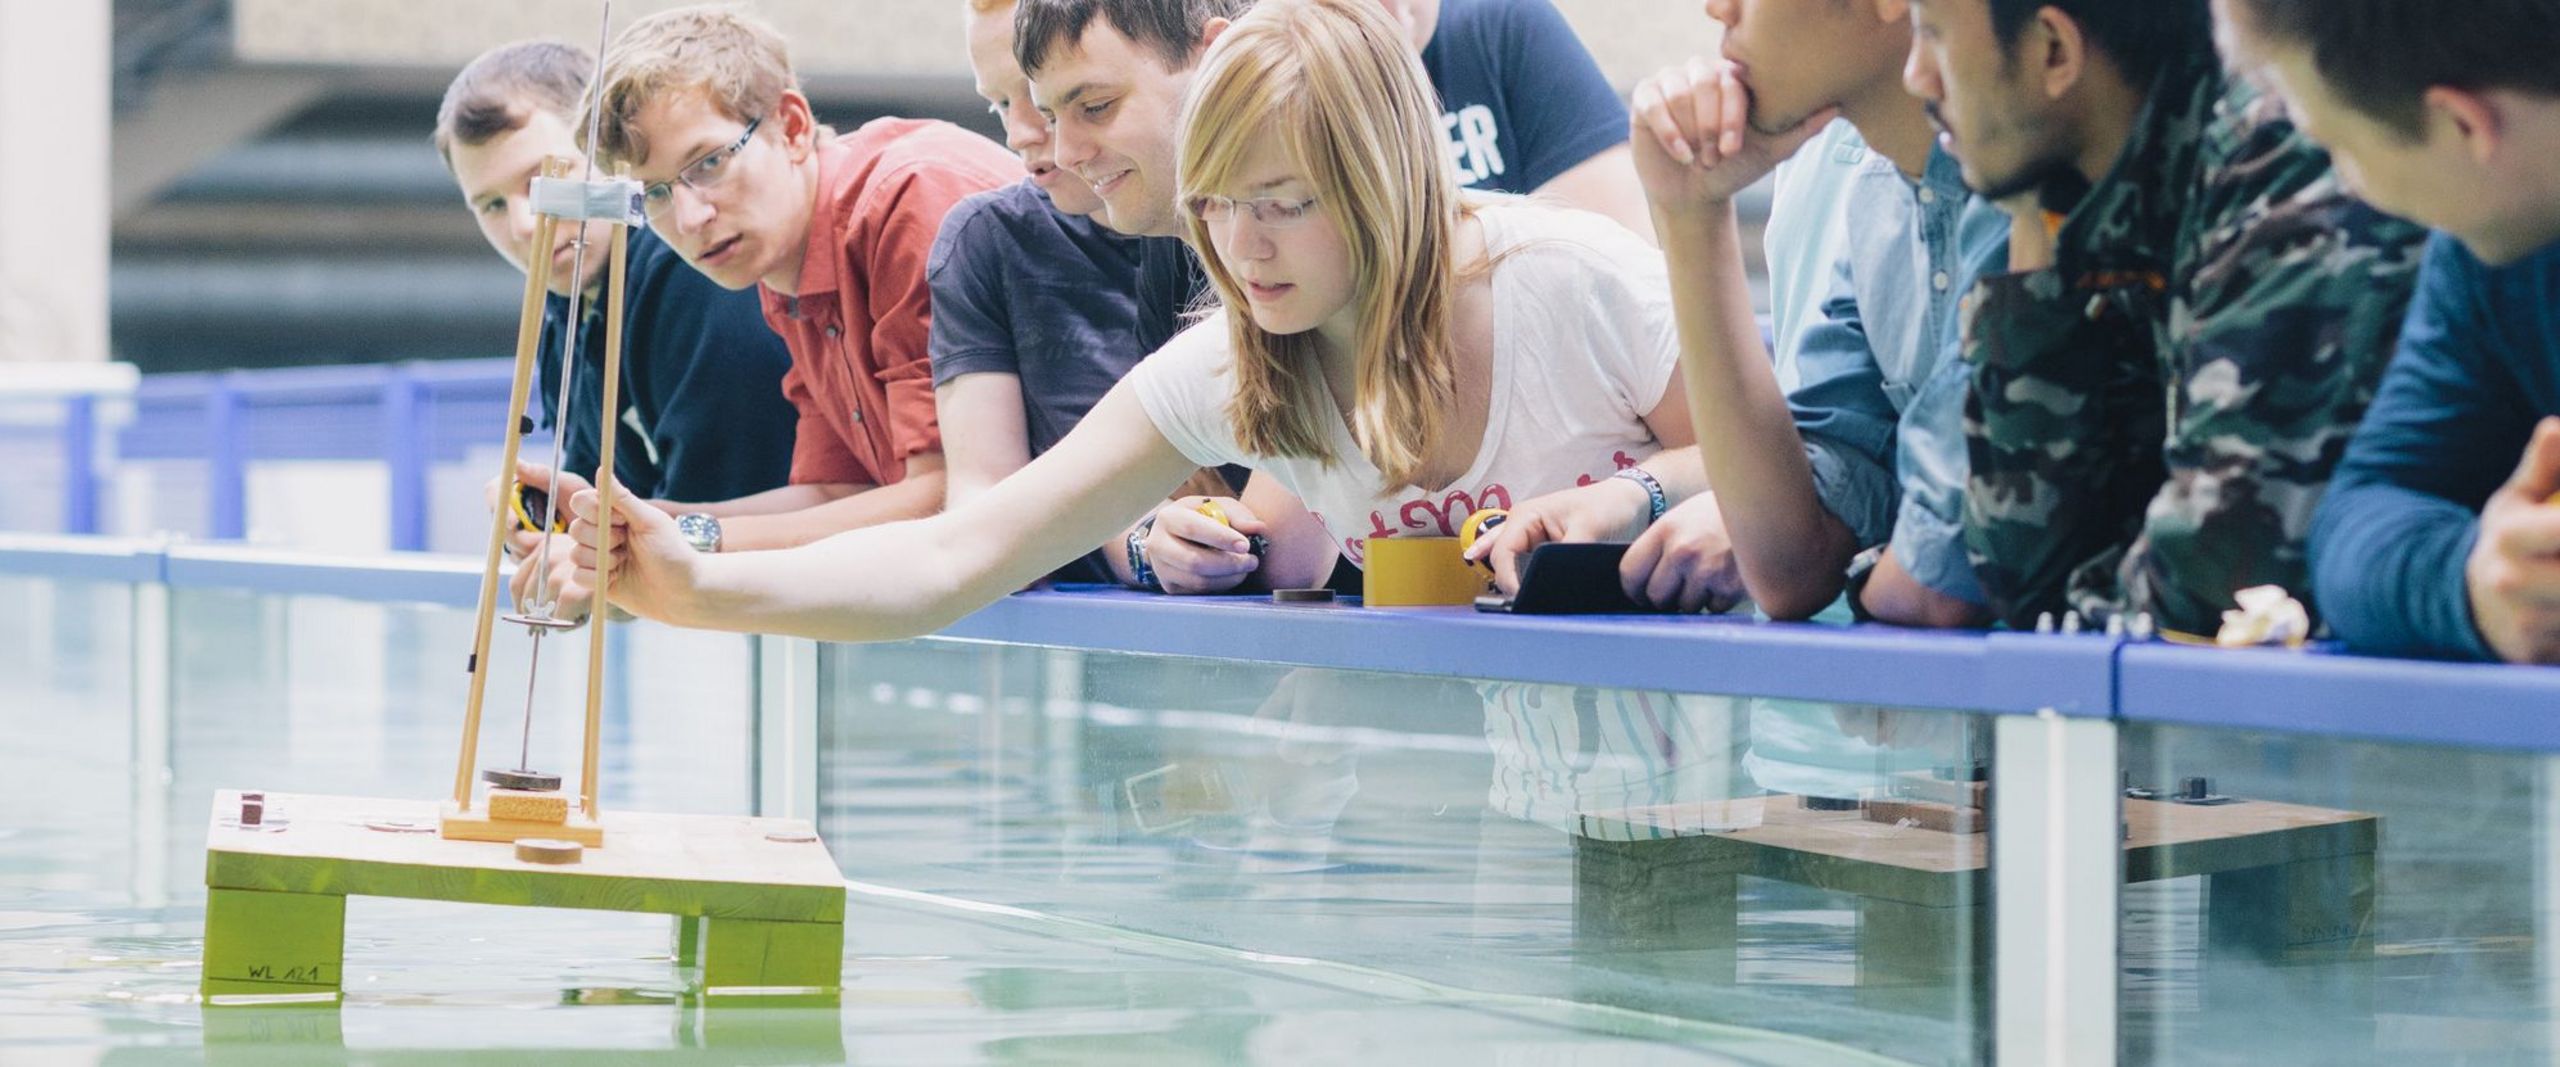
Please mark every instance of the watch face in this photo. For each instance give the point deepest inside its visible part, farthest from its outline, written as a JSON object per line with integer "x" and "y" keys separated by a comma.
{"x": 701, "y": 531}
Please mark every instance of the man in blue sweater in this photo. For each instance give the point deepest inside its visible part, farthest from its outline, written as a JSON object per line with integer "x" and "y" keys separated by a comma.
{"x": 2436, "y": 539}
{"x": 703, "y": 413}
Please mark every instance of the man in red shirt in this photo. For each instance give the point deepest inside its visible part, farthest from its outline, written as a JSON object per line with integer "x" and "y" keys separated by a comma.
{"x": 702, "y": 106}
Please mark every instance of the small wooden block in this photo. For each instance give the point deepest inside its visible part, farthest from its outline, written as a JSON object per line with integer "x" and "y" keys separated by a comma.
{"x": 478, "y": 825}
{"x": 265, "y": 943}
{"x": 745, "y": 954}
{"x": 688, "y": 948}
{"x": 1944, "y": 818}
{"x": 519, "y": 805}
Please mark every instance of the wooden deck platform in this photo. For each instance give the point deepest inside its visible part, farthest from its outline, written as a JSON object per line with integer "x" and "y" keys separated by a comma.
{"x": 759, "y": 903}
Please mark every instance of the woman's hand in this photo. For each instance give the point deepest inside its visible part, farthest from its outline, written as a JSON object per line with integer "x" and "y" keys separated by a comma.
{"x": 1611, "y": 509}
{"x": 1193, "y": 554}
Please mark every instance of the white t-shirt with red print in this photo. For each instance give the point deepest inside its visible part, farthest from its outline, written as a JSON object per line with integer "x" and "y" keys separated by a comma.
{"x": 1583, "y": 347}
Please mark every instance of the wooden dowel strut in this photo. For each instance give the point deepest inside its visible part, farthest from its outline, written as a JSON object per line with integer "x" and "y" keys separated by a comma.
{"x": 537, "y": 283}
{"x": 605, "y": 487}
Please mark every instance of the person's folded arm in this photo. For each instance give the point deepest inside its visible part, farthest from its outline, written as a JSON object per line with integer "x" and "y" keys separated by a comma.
{"x": 2275, "y": 372}
{"x": 2389, "y": 544}
{"x": 1789, "y": 547}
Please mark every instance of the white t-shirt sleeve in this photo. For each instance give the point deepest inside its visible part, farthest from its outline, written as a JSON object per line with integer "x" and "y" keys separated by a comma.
{"x": 1640, "y": 296}
{"x": 1184, "y": 387}
{"x": 1620, "y": 304}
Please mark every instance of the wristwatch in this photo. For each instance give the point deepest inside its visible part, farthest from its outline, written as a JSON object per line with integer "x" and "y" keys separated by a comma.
{"x": 700, "y": 530}
{"x": 1862, "y": 568}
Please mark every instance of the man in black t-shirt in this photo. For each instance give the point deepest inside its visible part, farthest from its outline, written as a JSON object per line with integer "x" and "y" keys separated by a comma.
{"x": 1038, "y": 309}
{"x": 1524, "y": 108}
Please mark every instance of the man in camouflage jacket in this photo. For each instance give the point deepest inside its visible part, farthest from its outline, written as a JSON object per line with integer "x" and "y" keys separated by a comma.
{"x": 2161, "y": 393}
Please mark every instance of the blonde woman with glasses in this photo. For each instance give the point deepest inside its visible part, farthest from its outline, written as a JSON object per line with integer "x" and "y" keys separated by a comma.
{"x": 1394, "y": 353}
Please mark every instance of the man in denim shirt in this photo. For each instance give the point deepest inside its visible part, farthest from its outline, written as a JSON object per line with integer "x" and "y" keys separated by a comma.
{"x": 1804, "y": 483}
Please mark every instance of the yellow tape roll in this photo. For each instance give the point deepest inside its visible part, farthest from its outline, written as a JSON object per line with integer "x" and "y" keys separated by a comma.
{"x": 1477, "y": 525}
{"x": 529, "y": 502}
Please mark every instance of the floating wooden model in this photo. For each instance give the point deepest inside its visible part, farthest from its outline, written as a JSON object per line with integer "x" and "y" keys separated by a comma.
{"x": 759, "y": 903}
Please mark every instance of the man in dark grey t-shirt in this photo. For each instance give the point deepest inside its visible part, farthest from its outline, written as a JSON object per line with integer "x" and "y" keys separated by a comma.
{"x": 1038, "y": 309}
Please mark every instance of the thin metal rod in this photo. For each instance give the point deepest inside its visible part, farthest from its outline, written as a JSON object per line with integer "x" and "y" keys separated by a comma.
{"x": 546, "y": 598}
{"x": 533, "y": 670}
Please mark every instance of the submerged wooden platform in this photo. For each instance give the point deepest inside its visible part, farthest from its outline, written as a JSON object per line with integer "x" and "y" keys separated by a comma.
{"x": 2286, "y": 883}
{"x": 759, "y": 903}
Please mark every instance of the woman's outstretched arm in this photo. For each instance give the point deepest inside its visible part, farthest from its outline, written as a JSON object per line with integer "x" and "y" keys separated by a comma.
{"x": 902, "y": 579}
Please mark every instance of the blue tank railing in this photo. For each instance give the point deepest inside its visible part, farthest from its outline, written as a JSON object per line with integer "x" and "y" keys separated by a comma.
{"x": 407, "y": 416}
{"x": 2084, "y": 676}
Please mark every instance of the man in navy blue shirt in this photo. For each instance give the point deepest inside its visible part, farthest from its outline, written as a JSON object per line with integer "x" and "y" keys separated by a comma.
{"x": 2435, "y": 538}
{"x": 703, "y": 414}
{"x": 1525, "y": 109}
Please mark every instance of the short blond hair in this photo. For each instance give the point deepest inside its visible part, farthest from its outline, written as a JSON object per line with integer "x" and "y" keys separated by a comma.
{"x": 733, "y": 59}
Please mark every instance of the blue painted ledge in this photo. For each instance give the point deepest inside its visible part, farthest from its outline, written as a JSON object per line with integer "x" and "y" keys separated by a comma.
{"x": 2460, "y": 704}
{"x": 1863, "y": 664}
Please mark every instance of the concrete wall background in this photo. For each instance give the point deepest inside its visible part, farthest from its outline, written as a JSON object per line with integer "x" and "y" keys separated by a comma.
{"x": 861, "y": 39}
{"x": 55, "y": 79}
{"x": 277, "y": 204}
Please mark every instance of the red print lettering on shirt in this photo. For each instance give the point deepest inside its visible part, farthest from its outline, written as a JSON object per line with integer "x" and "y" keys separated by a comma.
{"x": 1623, "y": 460}
{"x": 1425, "y": 517}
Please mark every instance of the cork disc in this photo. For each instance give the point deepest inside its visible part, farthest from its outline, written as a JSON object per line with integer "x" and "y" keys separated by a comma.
{"x": 545, "y": 850}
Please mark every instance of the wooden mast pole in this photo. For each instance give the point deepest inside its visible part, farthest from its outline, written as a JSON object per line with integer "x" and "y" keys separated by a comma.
{"x": 537, "y": 282}
{"x": 601, "y": 607}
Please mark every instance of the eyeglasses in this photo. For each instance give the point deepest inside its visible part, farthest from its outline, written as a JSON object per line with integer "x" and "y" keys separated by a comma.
{"x": 1268, "y": 212}
{"x": 700, "y": 175}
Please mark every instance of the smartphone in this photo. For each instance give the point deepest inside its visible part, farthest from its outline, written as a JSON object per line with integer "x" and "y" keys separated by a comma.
{"x": 1569, "y": 579}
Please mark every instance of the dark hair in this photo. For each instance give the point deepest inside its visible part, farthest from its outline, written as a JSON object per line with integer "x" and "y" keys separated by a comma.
{"x": 2142, "y": 37}
{"x": 502, "y": 89}
{"x": 2381, "y": 56}
{"x": 1168, "y": 28}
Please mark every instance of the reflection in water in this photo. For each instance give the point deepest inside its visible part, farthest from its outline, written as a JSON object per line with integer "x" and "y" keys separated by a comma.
{"x": 1562, "y": 751}
{"x": 1428, "y": 827}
